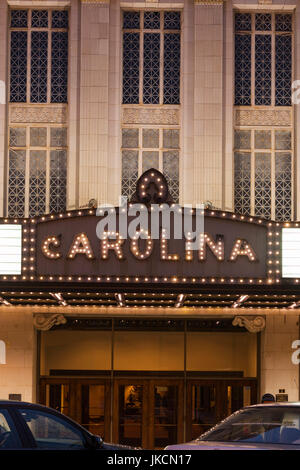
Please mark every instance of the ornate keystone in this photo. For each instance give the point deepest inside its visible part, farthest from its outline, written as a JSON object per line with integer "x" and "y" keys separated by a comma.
{"x": 251, "y": 323}
{"x": 46, "y": 322}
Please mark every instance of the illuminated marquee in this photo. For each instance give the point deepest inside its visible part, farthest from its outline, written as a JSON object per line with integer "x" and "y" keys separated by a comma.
{"x": 112, "y": 242}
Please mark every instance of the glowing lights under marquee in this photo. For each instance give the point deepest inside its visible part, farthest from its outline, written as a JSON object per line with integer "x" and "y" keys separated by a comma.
{"x": 10, "y": 249}
{"x": 290, "y": 252}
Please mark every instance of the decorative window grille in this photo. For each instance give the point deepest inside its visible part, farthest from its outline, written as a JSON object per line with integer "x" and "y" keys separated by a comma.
{"x": 151, "y": 57}
{"x": 263, "y": 173}
{"x": 145, "y": 148}
{"x": 37, "y": 170}
{"x": 38, "y": 56}
{"x": 266, "y": 40}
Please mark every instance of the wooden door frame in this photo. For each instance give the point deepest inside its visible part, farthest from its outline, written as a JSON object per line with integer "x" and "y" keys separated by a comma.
{"x": 75, "y": 384}
{"x": 145, "y": 412}
{"x": 221, "y": 386}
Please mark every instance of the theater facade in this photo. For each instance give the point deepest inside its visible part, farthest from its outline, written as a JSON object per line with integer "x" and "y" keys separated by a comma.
{"x": 145, "y": 341}
{"x": 185, "y": 104}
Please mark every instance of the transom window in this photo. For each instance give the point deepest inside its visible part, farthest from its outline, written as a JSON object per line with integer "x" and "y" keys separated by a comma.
{"x": 145, "y": 148}
{"x": 37, "y": 170}
{"x": 151, "y": 57}
{"x": 263, "y": 59}
{"x": 38, "y": 56}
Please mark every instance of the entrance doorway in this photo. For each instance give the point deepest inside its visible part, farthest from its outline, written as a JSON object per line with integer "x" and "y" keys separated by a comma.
{"x": 147, "y": 412}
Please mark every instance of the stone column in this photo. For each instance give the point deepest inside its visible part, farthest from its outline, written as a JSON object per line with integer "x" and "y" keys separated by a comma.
{"x": 228, "y": 106}
{"x": 277, "y": 369}
{"x": 93, "y": 161}
{"x": 114, "y": 107}
{"x": 208, "y": 104}
{"x": 187, "y": 132}
{"x": 3, "y": 98}
{"x": 74, "y": 119}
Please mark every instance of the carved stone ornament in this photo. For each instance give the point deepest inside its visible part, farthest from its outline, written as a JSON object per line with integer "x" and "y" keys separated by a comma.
{"x": 254, "y": 117}
{"x": 150, "y": 116}
{"x": 251, "y": 323}
{"x": 45, "y": 114}
{"x": 46, "y": 322}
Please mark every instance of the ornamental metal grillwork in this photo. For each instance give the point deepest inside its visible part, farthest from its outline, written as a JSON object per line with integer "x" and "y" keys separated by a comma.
{"x": 267, "y": 57}
{"x": 39, "y": 18}
{"x": 283, "y": 70}
{"x": 58, "y": 180}
{"x": 172, "y": 20}
{"x": 17, "y": 137}
{"x": 38, "y": 136}
{"x": 129, "y": 172}
{"x": 151, "y": 71}
{"x": 242, "y": 69}
{"x": 37, "y": 182}
{"x": 263, "y": 22}
{"x": 263, "y": 69}
{"x": 46, "y": 173}
{"x": 283, "y": 23}
{"x": 39, "y": 67}
{"x": 130, "y": 138}
{"x": 142, "y": 79}
{"x": 18, "y": 18}
{"x": 152, "y": 20}
{"x": 150, "y": 159}
{"x": 242, "y": 183}
{"x": 262, "y": 191}
{"x": 58, "y": 136}
{"x": 131, "y": 20}
{"x": 283, "y": 140}
{"x": 171, "y": 138}
{"x": 283, "y": 186}
{"x": 131, "y": 67}
{"x": 18, "y": 67}
{"x": 242, "y": 22}
{"x": 16, "y": 182}
{"x": 242, "y": 140}
{"x": 172, "y": 68}
{"x": 171, "y": 172}
{"x": 150, "y": 138}
{"x": 60, "y": 19}
{"x": 59, "y": 67}
{"x": 262, "y": 139}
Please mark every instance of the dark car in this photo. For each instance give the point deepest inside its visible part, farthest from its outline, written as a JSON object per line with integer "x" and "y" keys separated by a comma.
{"x": 30, "y": 426}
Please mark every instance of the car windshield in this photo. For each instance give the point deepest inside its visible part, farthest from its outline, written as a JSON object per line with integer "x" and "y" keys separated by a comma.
{"x": 266, "y": 425}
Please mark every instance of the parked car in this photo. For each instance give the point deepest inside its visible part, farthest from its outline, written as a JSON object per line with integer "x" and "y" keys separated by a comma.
{"x": 265, "y": 427}
{"x": 30, "y": 426}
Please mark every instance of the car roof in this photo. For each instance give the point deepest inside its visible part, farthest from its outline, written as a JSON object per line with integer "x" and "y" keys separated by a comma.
{"x": 276, "y": 403}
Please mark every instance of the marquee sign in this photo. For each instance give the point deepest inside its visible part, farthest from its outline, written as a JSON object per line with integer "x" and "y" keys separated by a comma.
{"x": 67, "y": 247}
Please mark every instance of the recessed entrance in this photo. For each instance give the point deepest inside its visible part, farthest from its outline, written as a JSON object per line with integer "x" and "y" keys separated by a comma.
{"x": 147, "y": 412}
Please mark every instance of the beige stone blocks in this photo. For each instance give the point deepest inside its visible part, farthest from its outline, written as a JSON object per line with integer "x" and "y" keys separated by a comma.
{"x": 18, "y": 374}
{"x": 277, "y": 369}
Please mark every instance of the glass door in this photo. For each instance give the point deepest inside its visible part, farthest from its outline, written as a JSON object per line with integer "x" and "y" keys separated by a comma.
{"x": 131, "y": 413}
{"x": 165, "y": 413}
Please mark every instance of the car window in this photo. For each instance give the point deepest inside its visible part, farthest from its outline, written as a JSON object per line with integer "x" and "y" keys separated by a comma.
{"x": 270, "y": 425}
{"x": 51, "y": 431}
{"x": 9, "y": 438}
